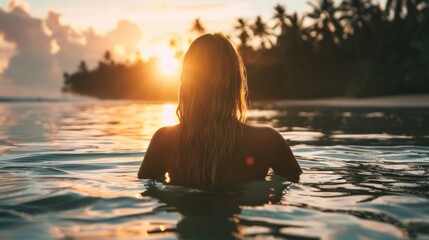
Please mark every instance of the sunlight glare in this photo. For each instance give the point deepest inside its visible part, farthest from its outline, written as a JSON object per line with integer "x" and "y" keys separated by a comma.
{"x": 169, "y": 66}
{"x": 169, "y": 117}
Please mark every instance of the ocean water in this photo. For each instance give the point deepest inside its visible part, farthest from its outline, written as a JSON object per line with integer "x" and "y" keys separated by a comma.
{"x": 68, "y": 171}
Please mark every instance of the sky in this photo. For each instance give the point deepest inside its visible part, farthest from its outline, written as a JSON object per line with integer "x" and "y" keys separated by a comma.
{"x": 159, "y": 20}
{"x": 40, "y": 39}
{"x": 156, "y": 15}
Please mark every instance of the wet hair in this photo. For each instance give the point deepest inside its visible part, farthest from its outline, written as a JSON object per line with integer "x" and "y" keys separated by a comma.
{"x": 212, "y": 106}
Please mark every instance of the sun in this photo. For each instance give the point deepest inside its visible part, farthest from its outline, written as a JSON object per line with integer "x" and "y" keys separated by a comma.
{"x": 166, "y": 55}
{"x": 169, "y": 66}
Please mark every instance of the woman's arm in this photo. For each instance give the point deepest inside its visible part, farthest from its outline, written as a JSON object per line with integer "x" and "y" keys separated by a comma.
{"x": 153, "y": 166}
{"x": 283, "y": 161}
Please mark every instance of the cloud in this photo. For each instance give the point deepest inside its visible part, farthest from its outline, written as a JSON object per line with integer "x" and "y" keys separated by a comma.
{"x": 44, "y": 48}
{"x": 32, "y": 65}
{"x": 89, "y": 46}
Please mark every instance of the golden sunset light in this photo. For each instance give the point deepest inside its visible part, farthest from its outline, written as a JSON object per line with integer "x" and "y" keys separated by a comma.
{"x": 214, "y": 119}
{"x": 169, "y": 117}
{"x": 68, "y": 35}
{"x": 169, "y": 65}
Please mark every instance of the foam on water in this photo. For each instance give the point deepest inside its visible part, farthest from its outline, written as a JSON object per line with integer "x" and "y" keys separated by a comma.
{"x": 68, "y": 170}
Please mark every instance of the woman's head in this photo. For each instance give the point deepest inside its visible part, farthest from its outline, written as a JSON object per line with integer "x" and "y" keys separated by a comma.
{"x": 213, "y": 81}
{"x": 212, "y": 105}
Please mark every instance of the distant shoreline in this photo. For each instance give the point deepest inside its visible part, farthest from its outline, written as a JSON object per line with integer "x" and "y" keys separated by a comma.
{"x": 42, "y": 99}
{"x": 412, "y": 100}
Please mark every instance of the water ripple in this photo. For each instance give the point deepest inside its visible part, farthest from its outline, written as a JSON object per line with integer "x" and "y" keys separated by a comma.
{"x": 65, "y": 174}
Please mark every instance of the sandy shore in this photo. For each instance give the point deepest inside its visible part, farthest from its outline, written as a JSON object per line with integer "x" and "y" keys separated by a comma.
{"x": 415, "y": 100}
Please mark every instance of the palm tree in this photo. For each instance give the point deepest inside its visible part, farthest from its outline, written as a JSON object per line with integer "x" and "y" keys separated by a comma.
{"x": 294, "y": 25}
{"x": 290, "y": 25}
{"x": 280, "y": 18}
{"x": 356, "y": 13}
{"x": 198, "y": 27}
{"x": 83, "y": 67}
{"x": 421, "y": 35}
{"x": 108, "y": 57}
{"x": 326, "y": 27}
{"x": 361, "y": 24}
{"x": 399, "y": 7}
{"x": 243, "y": 30}
{"x": 260, "y": 30}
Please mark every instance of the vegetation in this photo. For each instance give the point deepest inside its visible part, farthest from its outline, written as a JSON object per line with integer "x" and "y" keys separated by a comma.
{"x": 111, "y": 80}
{"x": 356, "y": 48}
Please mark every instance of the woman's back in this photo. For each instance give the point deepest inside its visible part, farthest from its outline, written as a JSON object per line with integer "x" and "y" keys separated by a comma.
{"x": 212, "y": 144}
{"x": 259, "y": 149}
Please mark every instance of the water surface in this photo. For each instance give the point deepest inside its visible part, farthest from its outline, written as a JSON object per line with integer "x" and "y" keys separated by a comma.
{"x": 68, "y": 171}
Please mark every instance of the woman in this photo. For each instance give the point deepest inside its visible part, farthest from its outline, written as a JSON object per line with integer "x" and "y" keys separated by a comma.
{"x": 212, "y": 144}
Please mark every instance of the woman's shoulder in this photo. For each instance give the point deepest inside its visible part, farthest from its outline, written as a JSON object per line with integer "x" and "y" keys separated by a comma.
{"x": 164, "y": 135}
{"x": 166, "y": 131}
{"x": 261, "y": 132}
{"x": 270, "y": 145}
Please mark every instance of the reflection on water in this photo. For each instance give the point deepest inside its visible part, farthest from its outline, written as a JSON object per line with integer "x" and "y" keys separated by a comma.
{"x": 68, "y": 170}
{"x": 341, "y": 125}
{"x": 81, "y": 127}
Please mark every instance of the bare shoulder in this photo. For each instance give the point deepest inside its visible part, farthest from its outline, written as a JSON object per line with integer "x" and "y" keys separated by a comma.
{"x": 262, "y": 133}
{"x": 155, "y": 163}
{"x": 275, "y": 149}
{"x": 164, "y": 137}
{"x": 167, "y": 129}
{"x": 165, "y": 132}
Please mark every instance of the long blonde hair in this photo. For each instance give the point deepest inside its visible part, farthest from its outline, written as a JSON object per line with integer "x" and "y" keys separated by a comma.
{"x": 212, "y": 105}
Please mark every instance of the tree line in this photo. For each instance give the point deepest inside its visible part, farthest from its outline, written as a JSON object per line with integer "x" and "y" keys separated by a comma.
{"x": 356, "y": 48}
